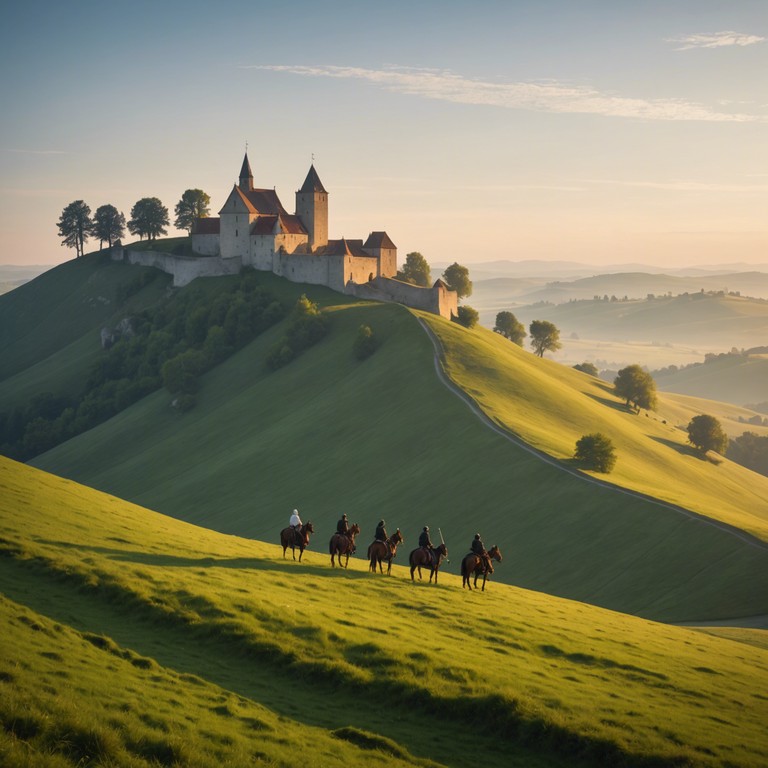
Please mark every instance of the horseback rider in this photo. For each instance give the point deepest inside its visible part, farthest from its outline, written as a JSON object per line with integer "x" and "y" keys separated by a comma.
{"x": 478, "y": 548}
{"x": 295, "y": 523}
{"x": 424, "y": 540}
{"x": 381, "y": 534}
{"x": 342, "y": 526}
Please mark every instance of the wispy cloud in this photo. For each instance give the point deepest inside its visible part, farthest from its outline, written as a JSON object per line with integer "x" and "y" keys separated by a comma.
{"x": 683, "y": 185}
{"x": 714, "y": 40}
{"x": 558, "y": 97}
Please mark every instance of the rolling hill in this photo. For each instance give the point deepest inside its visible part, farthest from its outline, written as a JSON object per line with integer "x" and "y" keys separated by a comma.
{"x": 134, "y": 639}
{"x": 387, "y": 438}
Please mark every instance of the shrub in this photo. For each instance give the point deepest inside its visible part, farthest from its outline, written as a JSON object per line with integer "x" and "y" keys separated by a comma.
{"x": 596, "y": 452}
{"x": 468, "y": 317}
{"x": 365, "y": 343}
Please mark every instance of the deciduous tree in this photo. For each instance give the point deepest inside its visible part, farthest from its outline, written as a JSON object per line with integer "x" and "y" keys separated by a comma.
{"x": 75, "y": 226}
{"x": 596, "y": 452}
{"x": 416, "y": 270}
{"x": 194, "y": 204}
{"x": 510, "y": 327}
{"x": 468, "y": 316}
{"x": 636, "y": 386}
{"x": 108, "y": 224}
{"x": 457, "y": 279}
{"x": 589, "y": 368}
{"x": 545, "y": 337}
{"x": 706, "y": 434}
{"x": 148, "y": 217}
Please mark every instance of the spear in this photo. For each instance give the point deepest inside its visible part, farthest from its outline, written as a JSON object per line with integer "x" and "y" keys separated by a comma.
{"x": 443, "y": 542}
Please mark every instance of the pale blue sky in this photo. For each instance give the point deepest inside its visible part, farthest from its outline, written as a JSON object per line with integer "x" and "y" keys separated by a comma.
{"x": 593, "y": 131}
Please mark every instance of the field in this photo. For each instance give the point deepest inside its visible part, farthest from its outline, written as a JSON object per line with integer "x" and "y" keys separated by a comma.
{"x": 132, "y": 639}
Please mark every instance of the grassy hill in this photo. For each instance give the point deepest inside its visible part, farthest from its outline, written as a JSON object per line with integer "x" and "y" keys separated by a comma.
{"x": 386, "y": 438}
{"x": 134, "y": 639}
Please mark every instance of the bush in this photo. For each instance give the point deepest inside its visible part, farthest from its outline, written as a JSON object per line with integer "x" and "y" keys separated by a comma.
{"x": 308, "y": 325}
{"x": 706, "y": 434}
{"x": 365, "y": 343}
{"x": 468, "y": 317}
{"x": 596, "y": 452}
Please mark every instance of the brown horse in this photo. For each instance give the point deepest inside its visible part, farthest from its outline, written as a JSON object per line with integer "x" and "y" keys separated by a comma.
{"x": 380, "y": 550}
{"x": 290, "y": 538}
{"x": 343, "y": 544}
{"x": 428, "y": 559}
{"x": 473, "y": 563}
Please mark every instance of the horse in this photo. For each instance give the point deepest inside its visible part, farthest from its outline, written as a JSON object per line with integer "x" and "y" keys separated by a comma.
{"x": 289, "y": 538}
{"x": 428, "y": 559}
{"x": 343, "y": 544}
{"x": 473, "y": 563}
{"x": 380, "y": 550}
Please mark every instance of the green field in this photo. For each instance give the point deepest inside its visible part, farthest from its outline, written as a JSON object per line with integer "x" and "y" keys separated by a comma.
{"x": 387, "y": 438}
{"x": 134, "y": 639}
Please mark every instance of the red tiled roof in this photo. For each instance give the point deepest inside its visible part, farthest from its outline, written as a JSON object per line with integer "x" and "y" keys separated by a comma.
{"x": 206, "y": 226}
{"x": 344, "y": 247}
{"x": 379, "y": 240}
{"x": 264, "y": 225}
{"x": 264, "y": 201}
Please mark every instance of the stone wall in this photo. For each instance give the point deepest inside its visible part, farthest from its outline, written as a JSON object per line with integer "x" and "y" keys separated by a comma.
{"x": 183, "y": 268}
{"x": 438, "y": 299}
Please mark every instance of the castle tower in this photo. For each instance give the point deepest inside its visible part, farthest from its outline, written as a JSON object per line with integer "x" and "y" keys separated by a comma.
{"x": 312, "y": 209}
{"x": 246, "y": 177}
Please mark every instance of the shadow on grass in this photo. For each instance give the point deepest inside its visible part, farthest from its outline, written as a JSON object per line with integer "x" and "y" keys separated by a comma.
{"x": 683, "y": 450}
{"x": 611, "y": 403}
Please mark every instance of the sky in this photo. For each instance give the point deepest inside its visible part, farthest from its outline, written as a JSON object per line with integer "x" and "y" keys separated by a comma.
{"x": 594, "y": 131}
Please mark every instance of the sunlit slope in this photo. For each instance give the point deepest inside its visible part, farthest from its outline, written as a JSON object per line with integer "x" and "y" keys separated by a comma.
{"x": 384, "y": 438}
{"x": 550, "y": 406}
{"x": 181, "y": 644}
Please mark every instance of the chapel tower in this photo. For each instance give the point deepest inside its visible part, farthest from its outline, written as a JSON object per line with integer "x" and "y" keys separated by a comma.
{"x": 312, "y": 209}
{"x": 246, "y": 177}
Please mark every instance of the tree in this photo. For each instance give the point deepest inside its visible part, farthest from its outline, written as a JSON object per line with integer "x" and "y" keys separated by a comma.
{"x": 589, "y": 368}
{"x": 365, "y": 342}
{"x": 75, "y": 226}
{"x": 148, "y": 217}
{"x": 706, "y": 434}
{"x": 636, "y": 386}
{"x": 457, "y": 279}
{"x": 544, "y": 337}
{"x": 416, "y": 270}
{"x": 510, "y": 327}
{"x": 467, "y": 316}
{"x": 108, "y": 224}
{"x": 194, "y": 204}
{"x": 596, "y": 452}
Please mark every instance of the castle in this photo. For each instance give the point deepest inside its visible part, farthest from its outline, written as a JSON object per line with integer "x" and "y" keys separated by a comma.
{"x": 253, "y": 229}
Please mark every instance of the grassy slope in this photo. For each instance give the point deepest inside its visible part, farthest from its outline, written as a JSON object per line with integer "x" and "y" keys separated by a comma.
{"x": 385, "y": 438}
{"x": 49, "y": 327}
{"x": 135, "y": 636}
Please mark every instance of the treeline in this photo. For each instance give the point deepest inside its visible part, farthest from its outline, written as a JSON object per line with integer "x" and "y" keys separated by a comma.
{"x": 751, "y": 451}
{"x": 169, "y": 345}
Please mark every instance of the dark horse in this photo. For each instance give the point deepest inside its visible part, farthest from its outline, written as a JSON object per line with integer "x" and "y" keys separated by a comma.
{"x": 290, "y": 538}
{"x": 380, "y": 550}
{"x": 343, "y": 544}
{"x": 473, "y": 563}
{"x": 428, "y": 559}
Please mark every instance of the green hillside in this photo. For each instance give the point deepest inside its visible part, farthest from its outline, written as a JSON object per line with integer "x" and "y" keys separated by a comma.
{"x": 133, "y": 639}
{"x": 386, "y": 438}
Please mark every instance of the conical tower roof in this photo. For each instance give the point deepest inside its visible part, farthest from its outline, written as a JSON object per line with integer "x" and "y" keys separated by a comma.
{"x": 312, "y": 183}
{"x": 246, "y": 175}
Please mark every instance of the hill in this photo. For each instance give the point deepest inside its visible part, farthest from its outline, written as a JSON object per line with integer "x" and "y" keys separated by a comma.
{"x": 386, "y": 438}
{"x": 134, "y": 639}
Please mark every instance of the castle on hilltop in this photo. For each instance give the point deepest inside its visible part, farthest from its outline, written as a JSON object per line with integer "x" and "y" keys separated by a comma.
{"x": 253, "y": 229}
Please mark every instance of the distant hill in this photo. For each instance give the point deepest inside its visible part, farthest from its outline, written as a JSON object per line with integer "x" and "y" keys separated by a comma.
{"x": 12, "y": 276}
{"x": 133, "y": 639}
{"x": 386, "y": 438}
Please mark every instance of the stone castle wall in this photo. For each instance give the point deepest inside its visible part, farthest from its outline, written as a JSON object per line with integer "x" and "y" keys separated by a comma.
{"x": 436, "y": 300}
{"x": 183, "y": 268}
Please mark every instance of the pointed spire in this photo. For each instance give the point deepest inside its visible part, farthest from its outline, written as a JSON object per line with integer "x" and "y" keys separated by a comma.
{"x": 246, "y": 176}
{"x": 312, "y": 183}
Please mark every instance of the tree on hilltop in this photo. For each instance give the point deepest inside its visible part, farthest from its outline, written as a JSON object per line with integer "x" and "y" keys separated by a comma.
{"x": 148, "y": 217}
{"x": 636, "y": 387}
{"x": 510, "y": 327}
{"x": 416, "y": 270}
{"x": 108, "y": 224}
{"x": 194, "y": 204}
{"x": 75, "y": 226}
{"x": 545, "y": 337}
{"x": 457, "y": 279}
{"x": 706, "y": 434}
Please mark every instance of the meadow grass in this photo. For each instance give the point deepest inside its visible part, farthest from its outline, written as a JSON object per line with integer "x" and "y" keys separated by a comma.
{"x": 134, "y": 637}
{"x": 385, "y": 438}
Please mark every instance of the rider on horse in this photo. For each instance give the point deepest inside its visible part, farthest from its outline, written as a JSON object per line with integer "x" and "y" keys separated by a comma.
{"x": 478, "y": 548}
{"x": 342, "y": 526}
{"x": 381, "y": 534}
{"x": 295, "y": 523}
{"x": 424, "y": 540}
